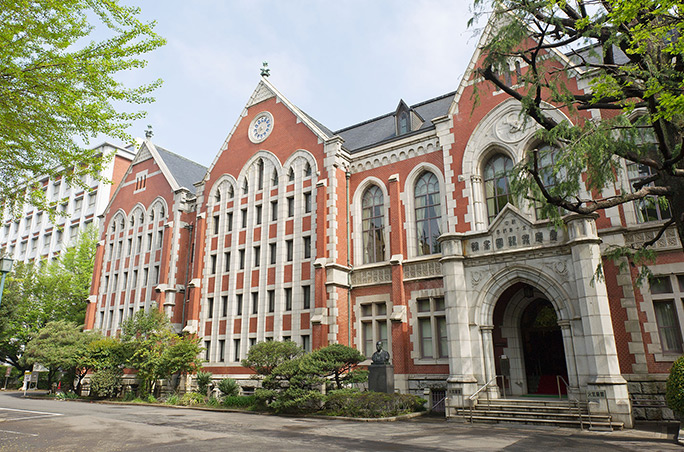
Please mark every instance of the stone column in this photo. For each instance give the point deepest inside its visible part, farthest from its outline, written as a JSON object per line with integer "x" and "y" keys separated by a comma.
{"x": 461, "y": 382}
{"x": 488, "y": 353}
{"x": 479, "y": 208}
{"x": 570, "y": 357}
{"x": 605, "y": 386}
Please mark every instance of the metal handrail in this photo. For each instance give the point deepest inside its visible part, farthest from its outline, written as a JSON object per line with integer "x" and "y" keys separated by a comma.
{"x": 475, "y": 395}
{"x": 559, "y": 378}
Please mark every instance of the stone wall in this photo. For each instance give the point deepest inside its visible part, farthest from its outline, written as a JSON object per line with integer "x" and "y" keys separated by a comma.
{"x": 647, "y": 394}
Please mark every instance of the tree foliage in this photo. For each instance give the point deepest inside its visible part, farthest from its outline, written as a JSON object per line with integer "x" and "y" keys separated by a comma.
{"x": 674, "y": 393}
{"x": 155, "y": 350}
{"x": 38, "y": 293}
{"x": 632, "y": 55}
{"x": 263, "y": 357}
{"x": 61, "y": 345}
{"x": 59, "y": 60}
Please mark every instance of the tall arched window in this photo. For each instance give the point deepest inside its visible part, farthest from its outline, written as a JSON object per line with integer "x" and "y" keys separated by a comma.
{"x": 428, "y": 214}
{"x": 274, "y": 178}
{"x": 290, "y": 175}
{"x": 373, "y": 225}
{"x": 546, "y": 162}
{"x": 497, "y": 190}
{"x": 231, "y": 192}
{"x": 245, "y": 187}
{"x": 307, "y": 170}
{"x": 260, "y": 174}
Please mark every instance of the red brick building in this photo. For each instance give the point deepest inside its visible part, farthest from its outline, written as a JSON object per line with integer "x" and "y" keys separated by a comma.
{"x": 399, "y": 229}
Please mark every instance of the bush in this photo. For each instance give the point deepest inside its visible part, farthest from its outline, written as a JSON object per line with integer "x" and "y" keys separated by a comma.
{"x": 203, "y": 381}
{"x": 151, "y": 399}
{"x": 213, "y": 402}
{"x": 674, "y": 394}
{"x": 192, "y": 399}
{"x": 229, "y": 387}
{"x": 173, "y": 399}
{"x": 295, "y": 400}
{"x": 244, "y": 402}
{"x": 352, "y": 403}
{"x": 106, "y": 383}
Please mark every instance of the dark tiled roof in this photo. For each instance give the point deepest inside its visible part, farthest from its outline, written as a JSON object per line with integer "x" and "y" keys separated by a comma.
{"x": 325, "y": 130}
{"x": 186, "y": 172}
{"x": 591, "y": 54}
{"x": 383, "y": 128}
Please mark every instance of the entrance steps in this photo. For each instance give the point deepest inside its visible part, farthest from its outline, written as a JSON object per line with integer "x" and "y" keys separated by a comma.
{"x": 560, "y": 413}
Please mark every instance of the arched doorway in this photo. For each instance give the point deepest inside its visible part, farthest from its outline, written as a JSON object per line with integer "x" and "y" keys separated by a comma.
{"x": 527, "y": 341}
{"x": 542, "y": 347}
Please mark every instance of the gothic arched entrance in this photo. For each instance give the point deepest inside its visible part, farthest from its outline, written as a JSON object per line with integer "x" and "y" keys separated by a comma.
{"x": 528, "y": 342}
{"x": 542, "y": 347}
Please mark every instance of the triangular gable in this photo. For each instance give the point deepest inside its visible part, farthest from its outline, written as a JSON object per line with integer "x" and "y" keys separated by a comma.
{"x": 472, "y": 65}
{"x": 264, "y": 91}
{"x": 508, "y": 216}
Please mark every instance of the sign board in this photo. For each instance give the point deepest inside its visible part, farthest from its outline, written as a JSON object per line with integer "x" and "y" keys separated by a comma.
{"x": 27, "y": 376}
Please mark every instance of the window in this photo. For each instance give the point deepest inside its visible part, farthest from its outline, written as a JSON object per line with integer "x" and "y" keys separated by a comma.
{"x": 146, "y": 273}
{"x": 373, "y": 225}
{"x": 274, "y": 178}
{"x": 306, "y": 342}
{"x": 224, "y": 306}
{"x": 667, "y": 294}
{"x": 238, "y": 304}
{"x": 226, "y": 261}
{"x": 222, "y": 350}
{"x": 160, "y": 238}
{"x": 217, "y": 196}
{"x": 307, "y": 202}
{"x": 243, "y": 216}
{"x": 213, "y": 264}
{"x": 257, "y": 255}
{"x": 290, "y": 175}
{"x": 290, "y": 251}
{"x": 307, "y": 170}
{"x": 255, "y": 302}
{"x": 210, "y": 308}
{"x": 125, "y": 281}
{"x": 428, "y": 214}
{"x": 156, "y": 275}
{"x": 432, "y": 327}
{"x": 207, "y": 350}
{"x": 271, "y": 301}
{"x": 245, "y": 187}
{"x": 546, "y": 161}
{"x": 236, "y": 350}
{"x": 651, "y": 208}
{"x": 374, "y": 326}
{"x": 258, "y": 215}
{"x": 260, "y": 174}
{"x": 403, "y": 123}
{"x": 231, "y": 192}
{"x": 290, "y": 206}
{"x": 252, "y": 342}
{"x": 307, "y": 247}
{"x": 78, "y": 205}
{"x": 149, "y": 241}
{"x": 274, "y": 210}
{"x": 119, "y": 245}
{"x": 288, "y": 299}
{"x": 242, "y": 259}
{"x": 272, "y": 253}
{"x": 497, "y": 190}
{"x": 217, "y": 223}
{"x": 134, "y": 283}
{"x": 229, "y": 221}
{"x": 129, "y": 246}
{"x": 306, "y": 297}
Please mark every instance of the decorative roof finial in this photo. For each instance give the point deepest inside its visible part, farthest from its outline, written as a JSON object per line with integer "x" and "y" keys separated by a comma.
{"x": 148, "y": 132}
{"x": 265, "y": 71}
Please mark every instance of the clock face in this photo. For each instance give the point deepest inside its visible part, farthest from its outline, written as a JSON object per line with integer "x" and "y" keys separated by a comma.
{"x": 261, "y": 127}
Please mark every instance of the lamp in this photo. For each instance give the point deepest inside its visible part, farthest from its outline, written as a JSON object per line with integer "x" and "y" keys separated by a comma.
{"x": 5, "y": 267}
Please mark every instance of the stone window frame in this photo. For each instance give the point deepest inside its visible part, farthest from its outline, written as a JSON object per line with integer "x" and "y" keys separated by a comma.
{"x": 356, "y": 210}
{"x": 374, "y": 319}
{"x": 651, "y": 324}
{"x": 416, "y": 354}
{"x": 408, "y": 198}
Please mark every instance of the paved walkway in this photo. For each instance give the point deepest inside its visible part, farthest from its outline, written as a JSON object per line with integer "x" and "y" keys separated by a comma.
{"x": 49, "y": 425}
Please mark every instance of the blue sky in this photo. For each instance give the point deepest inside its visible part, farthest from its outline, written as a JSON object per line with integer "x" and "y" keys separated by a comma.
{"x": 341, "y": 61}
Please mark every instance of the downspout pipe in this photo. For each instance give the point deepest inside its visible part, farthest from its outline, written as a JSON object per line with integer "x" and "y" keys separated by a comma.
{"x": 349, "y": 268}
{"x": 190, "y": 227}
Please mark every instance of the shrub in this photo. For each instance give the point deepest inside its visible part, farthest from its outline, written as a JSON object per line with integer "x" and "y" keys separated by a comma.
{"x": 203, "y": 381}
{"x": 106, "y": 383}
{"x": 229, "y": 387}
{"x": 173, "y": 399}
{"x": 352, "y": 403}
{"x": 191, "y": 399}
{"x": 297, "y": 400}
{"x": 151, "y": 399}
{"x": 674, "y": 393}
{"x": 244, "y": 402}
{"x": 213, "y": 402}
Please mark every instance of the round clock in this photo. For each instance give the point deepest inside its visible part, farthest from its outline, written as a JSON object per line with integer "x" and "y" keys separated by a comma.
{"x": 261, "y": 127}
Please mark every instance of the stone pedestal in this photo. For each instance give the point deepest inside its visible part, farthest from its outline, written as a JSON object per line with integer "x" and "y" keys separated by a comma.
{"x": 381, "y": 378}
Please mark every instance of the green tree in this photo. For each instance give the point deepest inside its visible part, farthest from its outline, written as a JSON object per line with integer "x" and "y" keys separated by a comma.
{"x": 156, "y": 352}
{"x": 59, "y": 60}
{"x": 263, "y": 357}
{"x": 338, "y": 362}
{"x": 633, "y": 57}
{"x": 37, "y": 293}
{"x": 61, "y": 345}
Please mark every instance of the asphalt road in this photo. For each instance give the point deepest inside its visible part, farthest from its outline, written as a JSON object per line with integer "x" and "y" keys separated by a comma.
{"x": 49, "y": 425}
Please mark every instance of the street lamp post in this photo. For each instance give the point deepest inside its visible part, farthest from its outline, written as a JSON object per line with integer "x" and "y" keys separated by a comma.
{"x": 5, "y": 267}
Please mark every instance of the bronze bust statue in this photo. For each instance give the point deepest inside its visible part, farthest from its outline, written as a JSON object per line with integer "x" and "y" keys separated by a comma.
{"x": 380, "y": 356}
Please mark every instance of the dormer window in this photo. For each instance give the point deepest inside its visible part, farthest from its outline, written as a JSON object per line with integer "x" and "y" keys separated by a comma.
{"x": 406, "y": 119}
{"x": 403, "y": 123}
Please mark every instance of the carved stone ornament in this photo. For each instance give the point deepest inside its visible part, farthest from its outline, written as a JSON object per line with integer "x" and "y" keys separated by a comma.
{"x": 510, "y": 128}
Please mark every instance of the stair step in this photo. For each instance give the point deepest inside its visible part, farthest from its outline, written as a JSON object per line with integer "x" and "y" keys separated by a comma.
{"x": 594, "y": 425}
{"x": 536, "y": 414}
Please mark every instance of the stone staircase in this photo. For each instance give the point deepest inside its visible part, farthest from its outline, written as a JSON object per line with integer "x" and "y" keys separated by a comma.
{"x": 560, "y": 413}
